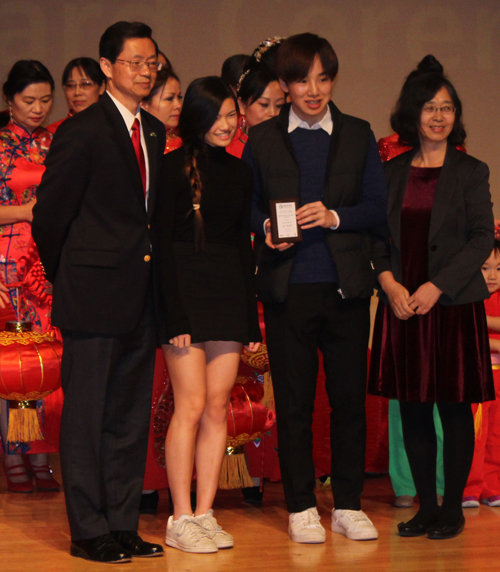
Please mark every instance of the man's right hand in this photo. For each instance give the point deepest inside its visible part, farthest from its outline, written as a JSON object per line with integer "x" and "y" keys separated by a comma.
{"x": 269, "y": 240}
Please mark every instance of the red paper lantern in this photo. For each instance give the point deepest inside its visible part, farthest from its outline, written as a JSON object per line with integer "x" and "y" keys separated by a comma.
{"x": 247, "y": 420}
{"x": 30, "y": 369}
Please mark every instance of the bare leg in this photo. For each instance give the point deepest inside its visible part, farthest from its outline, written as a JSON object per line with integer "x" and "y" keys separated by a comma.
{"x": 222, "y": 367}
{"x": 187, "y": 370}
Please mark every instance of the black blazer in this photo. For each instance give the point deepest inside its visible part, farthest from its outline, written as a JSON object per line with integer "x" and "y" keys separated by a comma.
{"x": 461, "y": 231}
{"x": 90, "y": 222}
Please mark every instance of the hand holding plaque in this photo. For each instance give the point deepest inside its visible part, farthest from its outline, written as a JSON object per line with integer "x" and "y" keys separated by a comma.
{"x": 284, "y": 225}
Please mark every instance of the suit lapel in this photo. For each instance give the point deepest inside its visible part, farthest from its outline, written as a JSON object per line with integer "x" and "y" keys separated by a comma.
{"x": 151, "y": 138}
{"x": 444, "y": 190}
{"x": 122, "y": 139}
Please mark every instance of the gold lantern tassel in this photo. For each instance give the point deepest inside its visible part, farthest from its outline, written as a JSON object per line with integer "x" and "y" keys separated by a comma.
{"x": 23, "y": 422}
{"x": 268, "y": 399}
{"x": 234, "y": 472}
{"x": 478, "y": 421}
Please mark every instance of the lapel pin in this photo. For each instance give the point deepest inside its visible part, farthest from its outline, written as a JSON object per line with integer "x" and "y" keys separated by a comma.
{"x": 153, "y": 134}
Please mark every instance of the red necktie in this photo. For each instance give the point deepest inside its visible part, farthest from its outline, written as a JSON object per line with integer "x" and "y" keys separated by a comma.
{"x": 139, "y": 153}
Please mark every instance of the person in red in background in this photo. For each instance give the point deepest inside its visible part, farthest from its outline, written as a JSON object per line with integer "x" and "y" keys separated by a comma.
{"x": 484, "y": 477}
{"x": 24, "y": 144}
{"x": 165, "y": 103}
{"x": 83, "y": 83}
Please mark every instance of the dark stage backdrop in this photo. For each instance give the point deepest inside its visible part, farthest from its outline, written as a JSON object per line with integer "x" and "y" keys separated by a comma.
{"x": 378, "y": 44}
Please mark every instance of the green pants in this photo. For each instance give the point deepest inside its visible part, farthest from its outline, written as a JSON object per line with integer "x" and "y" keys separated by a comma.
{"x": 399, "y": 468}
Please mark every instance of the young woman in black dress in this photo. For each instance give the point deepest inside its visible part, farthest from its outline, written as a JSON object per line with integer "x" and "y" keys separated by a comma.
{"x": 206, "y": 274}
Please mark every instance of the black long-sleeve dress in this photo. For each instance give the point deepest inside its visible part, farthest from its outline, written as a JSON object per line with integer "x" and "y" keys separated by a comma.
{"x": 210, "y": 293}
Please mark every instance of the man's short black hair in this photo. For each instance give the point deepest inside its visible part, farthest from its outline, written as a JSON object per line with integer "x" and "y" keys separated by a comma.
{"x": 111, "y": 43}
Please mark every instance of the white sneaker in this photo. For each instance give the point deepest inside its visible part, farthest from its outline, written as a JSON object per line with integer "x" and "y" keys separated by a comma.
{"x": 208, "y": 522}
{"x": 354, "y": 524}
{"x": 186, "y": 534}
{"x": 304, "y": 527}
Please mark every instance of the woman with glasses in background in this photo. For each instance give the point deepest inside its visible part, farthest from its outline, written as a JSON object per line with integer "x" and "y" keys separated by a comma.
{"x": 83, "y": 83}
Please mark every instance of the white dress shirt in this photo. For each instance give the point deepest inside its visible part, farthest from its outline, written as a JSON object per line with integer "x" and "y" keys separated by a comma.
{"x": 129, "y": 119}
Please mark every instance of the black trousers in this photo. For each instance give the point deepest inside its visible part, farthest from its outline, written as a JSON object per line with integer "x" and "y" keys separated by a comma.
{"x": 315, "y": 316}
{"x": 107, "y": 383}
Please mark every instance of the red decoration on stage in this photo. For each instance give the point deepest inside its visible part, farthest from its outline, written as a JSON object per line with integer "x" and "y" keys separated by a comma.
{"x": 30, "y": 369}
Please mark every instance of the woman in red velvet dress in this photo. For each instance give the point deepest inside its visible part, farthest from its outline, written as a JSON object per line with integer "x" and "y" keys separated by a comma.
{"x": 24, "y": 144}
{"x": 431, "y": 341}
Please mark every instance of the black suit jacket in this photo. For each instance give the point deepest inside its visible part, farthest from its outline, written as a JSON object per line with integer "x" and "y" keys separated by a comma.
{"x": 461, "y": 232}
{"x": 90, "y": 222}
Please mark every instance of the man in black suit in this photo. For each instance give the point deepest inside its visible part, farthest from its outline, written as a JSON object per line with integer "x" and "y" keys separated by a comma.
{"x": 91, "y": 226}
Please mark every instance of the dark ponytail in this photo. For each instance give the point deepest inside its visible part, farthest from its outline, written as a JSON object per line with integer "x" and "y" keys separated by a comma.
{"x": 202, "y": 102}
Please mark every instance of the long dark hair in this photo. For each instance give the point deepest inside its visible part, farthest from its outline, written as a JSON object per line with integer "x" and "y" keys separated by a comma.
{"x": 202, "y": 102}
{"x": 420, "y": 87}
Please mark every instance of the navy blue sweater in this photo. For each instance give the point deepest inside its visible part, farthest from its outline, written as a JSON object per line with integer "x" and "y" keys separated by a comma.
{"x": 313, "y": 261}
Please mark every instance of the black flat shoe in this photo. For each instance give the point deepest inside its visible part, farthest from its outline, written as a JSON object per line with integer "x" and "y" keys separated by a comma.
{"x": 408, "y": 529}
{"x": 131, "y": 542}
{"x": 149, "y": 503}
{"x": 100, "y": 549}
{"x": 443, "y": 532}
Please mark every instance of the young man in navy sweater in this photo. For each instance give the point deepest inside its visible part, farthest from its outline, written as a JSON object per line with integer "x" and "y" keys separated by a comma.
{"x": 316, "y": 293}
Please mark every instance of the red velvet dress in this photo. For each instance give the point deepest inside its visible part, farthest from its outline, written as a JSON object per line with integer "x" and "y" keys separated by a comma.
{"x": 444, "y": 354}
{"x": 21, "y": 167}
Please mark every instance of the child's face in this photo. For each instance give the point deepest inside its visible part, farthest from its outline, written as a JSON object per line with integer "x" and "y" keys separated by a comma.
{"x": 310, "y": 95}
{"x": 491, "y": 272}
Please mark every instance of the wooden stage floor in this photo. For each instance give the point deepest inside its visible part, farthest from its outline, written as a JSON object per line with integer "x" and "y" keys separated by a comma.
{"x": 34, "y": 536}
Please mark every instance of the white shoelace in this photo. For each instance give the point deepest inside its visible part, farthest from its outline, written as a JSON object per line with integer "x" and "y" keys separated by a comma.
{"x": 193, "y": 528}
{"x": 309, "y": 518}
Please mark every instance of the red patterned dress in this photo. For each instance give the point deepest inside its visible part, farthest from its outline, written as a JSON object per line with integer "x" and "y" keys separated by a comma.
{"x": 21, "y": 167}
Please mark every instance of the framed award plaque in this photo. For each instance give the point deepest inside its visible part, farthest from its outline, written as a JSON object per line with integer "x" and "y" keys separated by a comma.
{"x": 284, "y": 226}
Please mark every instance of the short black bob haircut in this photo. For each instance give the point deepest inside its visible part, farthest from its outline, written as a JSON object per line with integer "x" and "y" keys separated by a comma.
{"x": 23, "y": 74}
{"x": 296, "y": 57}
{"x": 202, "y": 102}
{"x": 254, "y": 84}
{"x": 161, "y": 80}
{"x": 233, "y": 67}
{"x": 420, "y": 87}
{"x": 88, "y": 66}
{"x": 111, "y": 42}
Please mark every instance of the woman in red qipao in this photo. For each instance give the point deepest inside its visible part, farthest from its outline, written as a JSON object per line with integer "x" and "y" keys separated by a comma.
{"x": 165, "y": 103}
{"x": 24, "y": 144}
{"x": 83, "y": 84}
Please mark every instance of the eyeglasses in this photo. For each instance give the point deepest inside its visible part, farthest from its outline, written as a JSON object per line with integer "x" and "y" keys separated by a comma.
{"x": 137, "y": 65}
{"x": 85, "y": 85}
{"x": 432, "y": 109}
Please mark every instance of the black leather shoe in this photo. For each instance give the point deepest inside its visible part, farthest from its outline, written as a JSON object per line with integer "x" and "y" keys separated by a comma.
{"x": 443, "y": 532}
{"x": 100, "y": 549}
{"x": 409, "y": 529}
{"x": 133, "y": 543}
{"x": 149, "y": 503}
